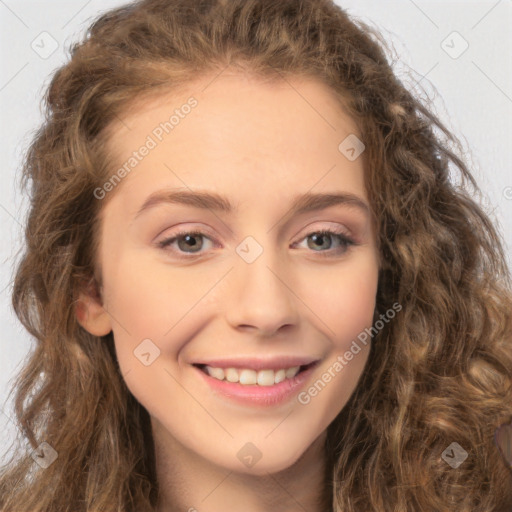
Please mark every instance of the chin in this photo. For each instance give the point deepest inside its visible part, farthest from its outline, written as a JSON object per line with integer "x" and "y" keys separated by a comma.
{"x": 267, "y": 459}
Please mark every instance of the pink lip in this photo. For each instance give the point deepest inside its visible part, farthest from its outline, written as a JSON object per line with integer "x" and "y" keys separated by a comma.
{"x": 258, "y": 395}
{"x": 252, "y": 363}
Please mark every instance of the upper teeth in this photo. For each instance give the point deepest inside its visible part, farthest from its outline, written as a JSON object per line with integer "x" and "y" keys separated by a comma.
{"x": 246, "y": 376}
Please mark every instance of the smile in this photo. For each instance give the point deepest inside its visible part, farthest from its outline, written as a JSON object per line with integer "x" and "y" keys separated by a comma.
{"x": 246, "y": 376}
{"x": 264, "y": 387}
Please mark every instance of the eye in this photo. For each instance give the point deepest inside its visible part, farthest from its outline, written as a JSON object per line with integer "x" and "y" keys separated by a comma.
{"x": 324, "y": 238}
{"x": 186, "y": 240}
{"x": 191, "y": 242}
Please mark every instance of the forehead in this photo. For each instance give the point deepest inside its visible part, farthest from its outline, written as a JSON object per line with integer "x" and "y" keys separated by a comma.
{"x": 241, "y": 134}
{"x": 237, "y": 107}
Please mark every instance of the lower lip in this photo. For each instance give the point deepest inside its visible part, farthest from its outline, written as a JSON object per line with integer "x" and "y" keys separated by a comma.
{"x": 258, "y": 395}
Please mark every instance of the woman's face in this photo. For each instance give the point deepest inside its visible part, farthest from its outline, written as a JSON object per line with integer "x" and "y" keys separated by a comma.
{"x": 259, "y": 292}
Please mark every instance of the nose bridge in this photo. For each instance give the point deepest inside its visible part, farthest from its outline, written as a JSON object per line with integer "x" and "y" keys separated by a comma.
{"x": 261, "y": 294}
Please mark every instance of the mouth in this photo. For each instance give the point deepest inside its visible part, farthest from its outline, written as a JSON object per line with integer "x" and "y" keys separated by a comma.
{"x": 250, "y": 377}
{"x": 265, "y": 387}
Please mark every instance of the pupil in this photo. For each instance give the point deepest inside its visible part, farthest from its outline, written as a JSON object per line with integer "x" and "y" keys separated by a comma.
{"x": 190, "y": 238}
{"x": 318, "y": 238}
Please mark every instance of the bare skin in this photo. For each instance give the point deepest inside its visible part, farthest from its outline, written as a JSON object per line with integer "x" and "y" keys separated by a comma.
{"x": 260, "y": 146}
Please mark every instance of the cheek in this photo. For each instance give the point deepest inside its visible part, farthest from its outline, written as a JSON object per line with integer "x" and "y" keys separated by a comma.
{"x": 346, "y": 309}
{"x": 344, "y": 300}
{"x": 147, "y": 303}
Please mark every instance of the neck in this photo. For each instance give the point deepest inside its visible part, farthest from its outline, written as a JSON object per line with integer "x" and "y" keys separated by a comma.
{"x": 190, "y": 483}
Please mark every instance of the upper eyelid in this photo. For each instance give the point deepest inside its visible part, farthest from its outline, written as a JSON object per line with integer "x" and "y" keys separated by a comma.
{"x": 206, "y": 232}
{"x": 326, "y": 224}
{"x": 348, "y": 243}
{"x": 199, "y": 231}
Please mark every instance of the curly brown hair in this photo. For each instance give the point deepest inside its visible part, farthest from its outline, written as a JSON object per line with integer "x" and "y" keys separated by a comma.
{"x": 439, "y": 372}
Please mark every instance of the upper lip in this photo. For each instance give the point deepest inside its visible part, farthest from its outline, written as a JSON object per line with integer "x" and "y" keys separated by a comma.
{"x": 254, "y": 363}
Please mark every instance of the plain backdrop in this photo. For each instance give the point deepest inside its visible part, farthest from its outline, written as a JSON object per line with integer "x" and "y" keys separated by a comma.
{"x": 455, "y": 53}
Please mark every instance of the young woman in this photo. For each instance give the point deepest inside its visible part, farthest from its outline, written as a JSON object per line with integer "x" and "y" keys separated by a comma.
{"x": 253, "y": 281}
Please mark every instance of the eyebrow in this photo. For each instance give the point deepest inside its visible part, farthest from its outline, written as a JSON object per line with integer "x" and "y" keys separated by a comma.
{"x": 305, "y": 203}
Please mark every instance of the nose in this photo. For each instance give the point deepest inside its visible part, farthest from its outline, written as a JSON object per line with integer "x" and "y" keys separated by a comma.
{"x": 262, "y": 296}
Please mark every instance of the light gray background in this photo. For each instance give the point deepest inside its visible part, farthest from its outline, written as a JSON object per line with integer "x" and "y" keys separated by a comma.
{"x": 472, "y": 94}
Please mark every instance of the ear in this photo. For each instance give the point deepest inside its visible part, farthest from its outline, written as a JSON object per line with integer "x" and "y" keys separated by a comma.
{"x": 89, "y": 310}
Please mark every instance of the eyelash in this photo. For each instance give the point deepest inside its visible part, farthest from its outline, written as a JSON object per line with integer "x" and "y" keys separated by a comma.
{"x": 346, "y": 242}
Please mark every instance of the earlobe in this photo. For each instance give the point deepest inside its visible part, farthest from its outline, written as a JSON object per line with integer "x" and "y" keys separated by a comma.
{"x": 90, "y": 312}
